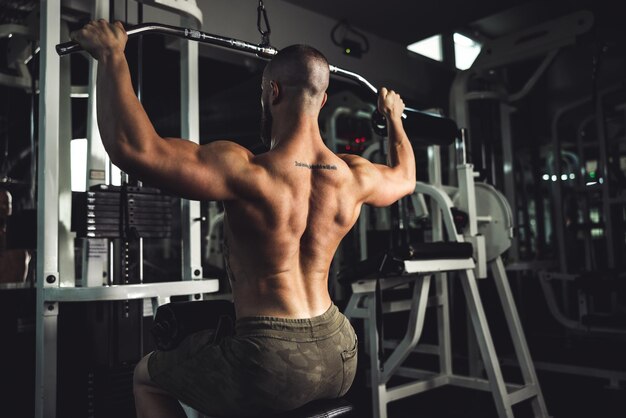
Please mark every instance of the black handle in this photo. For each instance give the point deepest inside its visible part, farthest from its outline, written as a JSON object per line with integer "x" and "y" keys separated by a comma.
{"x": 421, "y": 127}
{"x": 68, "y": 47}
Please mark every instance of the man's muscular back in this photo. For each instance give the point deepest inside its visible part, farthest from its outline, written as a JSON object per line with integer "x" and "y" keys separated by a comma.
{"x": 286, "y": 210}
{"x": 282, "y": 238}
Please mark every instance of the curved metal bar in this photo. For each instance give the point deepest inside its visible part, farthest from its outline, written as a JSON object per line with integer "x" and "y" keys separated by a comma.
{"x": 438, "y": 130}
{"x": 191, "y": 34}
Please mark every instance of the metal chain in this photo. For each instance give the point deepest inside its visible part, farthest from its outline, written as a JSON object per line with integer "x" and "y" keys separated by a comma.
{"x": 265, "y": 34}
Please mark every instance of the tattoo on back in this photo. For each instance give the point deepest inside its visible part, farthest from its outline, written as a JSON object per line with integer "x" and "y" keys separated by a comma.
{"x": 316, "y": 166}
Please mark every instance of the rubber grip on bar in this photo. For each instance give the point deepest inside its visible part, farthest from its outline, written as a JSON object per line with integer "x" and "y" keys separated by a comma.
{"x": 66, "y": 48}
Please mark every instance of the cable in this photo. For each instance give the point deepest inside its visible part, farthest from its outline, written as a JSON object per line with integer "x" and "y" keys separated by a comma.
{"x": 265, "y": 33}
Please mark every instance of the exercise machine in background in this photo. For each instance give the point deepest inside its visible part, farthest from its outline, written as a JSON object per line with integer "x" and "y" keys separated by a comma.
{"x": 567, "y": 198}
{"x": 471, "y": 228}
{"x": 118, "y": 310}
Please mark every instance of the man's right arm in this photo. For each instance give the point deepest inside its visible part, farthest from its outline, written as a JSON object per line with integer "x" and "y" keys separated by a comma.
{"x": 221, "y": 170}
{"x": 381, "y": 185}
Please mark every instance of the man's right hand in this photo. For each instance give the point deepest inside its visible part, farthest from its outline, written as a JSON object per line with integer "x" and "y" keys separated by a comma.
{"x": 101, "y": 38}
{"x": 390, "y": 104}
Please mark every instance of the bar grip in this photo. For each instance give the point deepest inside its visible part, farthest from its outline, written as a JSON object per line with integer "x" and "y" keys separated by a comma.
{"x": 430, "y": 129}
{"x": 421, "y": 127}
{"x": 66, "y": 48}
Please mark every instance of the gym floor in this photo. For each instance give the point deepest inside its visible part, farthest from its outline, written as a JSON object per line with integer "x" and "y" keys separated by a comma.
{"x": 566, "y": 395}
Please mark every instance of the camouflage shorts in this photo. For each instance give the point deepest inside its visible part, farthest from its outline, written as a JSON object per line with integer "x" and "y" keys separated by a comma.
{"x": 268, "y": 365}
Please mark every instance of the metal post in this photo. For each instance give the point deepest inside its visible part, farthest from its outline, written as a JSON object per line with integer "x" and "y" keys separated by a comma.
{"x": 48, "y": 209}
{"x": 190, "y": 129}
{"x": 379, "y": 389}
{"x": 443, "y": 325}
{"x": 485, "y": 344}
{"x": 580, "y": 181}
{"x": 605, "y": 185}
{"x": 96, "y": 251}
{"x": 509, "y": 169}
{"x": 66, "y": 237}
{"x": 517, "y": 335}
{"x": 557, "y": 205}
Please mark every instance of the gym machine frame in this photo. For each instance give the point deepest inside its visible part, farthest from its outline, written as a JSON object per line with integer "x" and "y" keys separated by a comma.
{"x": 55, "y": 282}
{"x": 363, "y": 305}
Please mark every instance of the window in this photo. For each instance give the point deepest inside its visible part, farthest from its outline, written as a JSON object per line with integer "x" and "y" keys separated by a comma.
{"x": 429, "y": 47}
{"x": 465, "y": 49}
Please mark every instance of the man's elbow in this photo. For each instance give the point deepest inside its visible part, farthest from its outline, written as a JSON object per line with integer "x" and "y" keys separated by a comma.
{"x": 408, "y": 186}
{"x": 118, "y": 158}
{"x": 408, "y": 180}
{"x": 122, "y": 157}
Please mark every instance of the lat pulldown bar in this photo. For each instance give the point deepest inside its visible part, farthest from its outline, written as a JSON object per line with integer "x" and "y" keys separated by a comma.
{"x": 422, "y": 127}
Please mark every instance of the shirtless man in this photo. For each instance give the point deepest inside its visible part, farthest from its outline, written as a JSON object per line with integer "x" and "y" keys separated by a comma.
{"x": 286, "y": 213}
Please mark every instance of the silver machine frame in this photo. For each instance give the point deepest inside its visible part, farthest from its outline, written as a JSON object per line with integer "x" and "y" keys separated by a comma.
{"x": 55, "y": 280}
{"x": 362, "y": 305}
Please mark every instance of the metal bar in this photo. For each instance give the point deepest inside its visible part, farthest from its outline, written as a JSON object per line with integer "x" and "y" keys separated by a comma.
{"x": 444, "y": 205}
{"x": 485, "y": 344}
{"x": 581, "y": 371}
{"x": 580, "y": 181}
{"x": 416, "y": 373}
{"x": 190, "y": 129}
{"x": 67, "y": 273}
{"x": 477, "y": 383}
{"x": 379, "y": 390}
{"x": 605, "y": 179}
{"x": 130, "y": 291}
{"x": 548, "y": 292}
{"x": 48, "y": 205}
{"x": 508, "y": 158}
{"x": 97, "y": 171}
{"x": 532, "y": 81}
{"x": 440, "y": 129}
{"x": 409, "y": 389}
{"x": 414, "y": 328}
{"x": 526, "y": 393}
{"x": 420, "y": 348}
{"x": 443, "y": 325}
{"x": 191, "y": 34}
{"x": 519, "y": 339}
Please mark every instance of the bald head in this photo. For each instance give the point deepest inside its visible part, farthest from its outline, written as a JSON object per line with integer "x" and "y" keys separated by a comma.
{"x": 301, "y": 72}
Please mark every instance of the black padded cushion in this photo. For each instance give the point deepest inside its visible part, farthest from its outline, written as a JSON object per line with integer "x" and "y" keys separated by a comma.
{"x": 176, "y": 320}
{"x": 323, "y": 408}
{"x": 391, "y": 263}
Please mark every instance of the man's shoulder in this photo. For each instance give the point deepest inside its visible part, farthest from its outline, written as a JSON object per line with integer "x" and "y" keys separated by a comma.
{"x": 230, "y": 147}
{"x": 354, "y": 161}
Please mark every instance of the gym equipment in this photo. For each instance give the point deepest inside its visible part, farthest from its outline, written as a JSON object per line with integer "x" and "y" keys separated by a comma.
{"x": 423, "y": 127}
{"x": 494, "y": 218}
{"x": 381, "y": 290}
{"x": 121, "y": 212}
